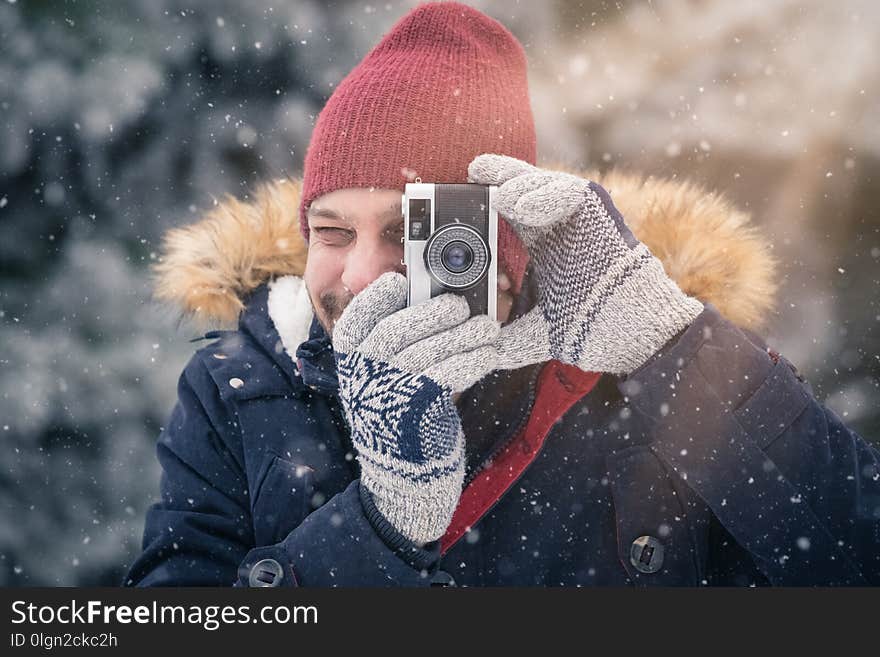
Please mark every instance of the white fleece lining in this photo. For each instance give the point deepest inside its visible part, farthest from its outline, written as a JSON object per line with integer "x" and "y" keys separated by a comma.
{"x": 291, "y": 312}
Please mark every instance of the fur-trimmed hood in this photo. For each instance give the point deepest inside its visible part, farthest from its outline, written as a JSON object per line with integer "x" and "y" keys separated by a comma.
{"x": 705, "y": 244}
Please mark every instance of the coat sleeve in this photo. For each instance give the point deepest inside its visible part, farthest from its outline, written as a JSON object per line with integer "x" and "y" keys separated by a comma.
{"x": 200, "y": 529}
{"x": 200, "y": 532}
{"x": 782, "y": 474}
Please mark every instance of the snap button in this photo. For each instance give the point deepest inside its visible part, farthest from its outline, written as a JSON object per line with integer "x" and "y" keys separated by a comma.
{"x": 646, "y": 554}
{"x": 236, "y": 383}
{"x": 267, "y": 572}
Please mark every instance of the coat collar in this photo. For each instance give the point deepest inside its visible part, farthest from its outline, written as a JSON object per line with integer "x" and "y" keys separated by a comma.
{"x": 317, "y": 362}
{"x": 278, "y": 316}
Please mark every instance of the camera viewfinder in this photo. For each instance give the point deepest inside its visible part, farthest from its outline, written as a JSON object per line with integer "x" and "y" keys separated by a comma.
{"x": 419, "y": 218}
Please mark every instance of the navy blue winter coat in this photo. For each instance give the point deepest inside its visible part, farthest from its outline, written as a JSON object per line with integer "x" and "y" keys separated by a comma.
{"x": 713, "y": 464}
{"x": 712, "y": 453}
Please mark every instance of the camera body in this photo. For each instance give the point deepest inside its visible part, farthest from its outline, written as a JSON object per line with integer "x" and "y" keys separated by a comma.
{"x": 450, "y": 243}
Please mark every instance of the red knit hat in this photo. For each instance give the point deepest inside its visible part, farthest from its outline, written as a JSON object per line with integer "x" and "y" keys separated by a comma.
{"x": 446, "y": 84}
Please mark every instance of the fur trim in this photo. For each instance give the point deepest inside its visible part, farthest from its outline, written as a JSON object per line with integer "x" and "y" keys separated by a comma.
{"x": 207, "y": 268}
{"x": 705, "y": 244}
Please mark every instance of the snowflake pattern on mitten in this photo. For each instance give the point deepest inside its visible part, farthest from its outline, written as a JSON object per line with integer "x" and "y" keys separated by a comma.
{"x": 398, "y": 368}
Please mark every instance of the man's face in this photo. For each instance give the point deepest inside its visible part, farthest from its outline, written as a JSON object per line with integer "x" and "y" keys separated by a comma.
{"x": 354, "y": 237}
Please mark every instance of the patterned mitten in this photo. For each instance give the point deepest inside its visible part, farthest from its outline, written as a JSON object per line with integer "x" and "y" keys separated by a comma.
{"x": 605, "y": 304}
{"x": 398, "y": 368}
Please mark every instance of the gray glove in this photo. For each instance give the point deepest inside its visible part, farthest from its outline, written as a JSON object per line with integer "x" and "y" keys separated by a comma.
{"x": 605, "y": 304}
{"x": 398, "y": 368}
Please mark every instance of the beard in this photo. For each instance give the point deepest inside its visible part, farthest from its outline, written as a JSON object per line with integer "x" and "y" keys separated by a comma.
{"x": 329, "y": 308}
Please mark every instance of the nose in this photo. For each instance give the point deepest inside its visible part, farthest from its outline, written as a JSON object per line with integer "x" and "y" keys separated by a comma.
{"x": 367, "y": 261}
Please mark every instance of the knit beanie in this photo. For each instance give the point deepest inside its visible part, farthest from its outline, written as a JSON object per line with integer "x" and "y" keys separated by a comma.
{"x": 444, "y": 85}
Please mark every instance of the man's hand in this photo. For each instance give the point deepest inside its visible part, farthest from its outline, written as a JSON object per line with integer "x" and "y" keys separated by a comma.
{"x": 605, "y": 303}
{"x": 398, "y": 368}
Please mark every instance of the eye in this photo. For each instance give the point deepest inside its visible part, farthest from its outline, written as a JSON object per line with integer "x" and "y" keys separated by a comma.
{"x": 333, "y": 236}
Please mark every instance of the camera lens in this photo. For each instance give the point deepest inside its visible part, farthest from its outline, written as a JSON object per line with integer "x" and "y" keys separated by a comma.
{"x": 457, "y": 257}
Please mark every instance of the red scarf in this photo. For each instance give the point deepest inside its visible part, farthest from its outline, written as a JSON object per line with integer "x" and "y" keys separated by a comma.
{"x": 559, "y": 387}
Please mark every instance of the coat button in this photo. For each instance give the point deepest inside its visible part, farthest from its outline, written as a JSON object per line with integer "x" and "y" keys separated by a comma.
{"x": 236, "y": 383}
{"x": 646, "y": 554}
{"x": 267, "y": 572}
{"x": 442, "y": 578}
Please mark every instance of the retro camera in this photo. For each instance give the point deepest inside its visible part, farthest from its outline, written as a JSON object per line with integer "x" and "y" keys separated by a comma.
{"x": 451, "y": 242}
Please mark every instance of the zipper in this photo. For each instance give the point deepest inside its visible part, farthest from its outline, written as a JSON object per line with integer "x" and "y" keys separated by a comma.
{"x": 486, "y": 462}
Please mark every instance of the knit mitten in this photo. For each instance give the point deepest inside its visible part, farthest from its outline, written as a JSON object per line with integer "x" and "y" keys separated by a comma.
{"x": 605, "y": 304}
{"x": 398, "y": 368}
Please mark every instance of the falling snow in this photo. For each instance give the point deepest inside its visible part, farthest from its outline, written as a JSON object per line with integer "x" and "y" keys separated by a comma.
{"x": 109, "y": 142}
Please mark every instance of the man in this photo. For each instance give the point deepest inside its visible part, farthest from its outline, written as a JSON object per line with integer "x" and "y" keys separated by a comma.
{"x": 608, "y": 429}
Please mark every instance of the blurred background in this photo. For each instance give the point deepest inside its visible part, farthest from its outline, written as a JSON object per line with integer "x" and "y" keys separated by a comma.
{"x": 121, "y": 119}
